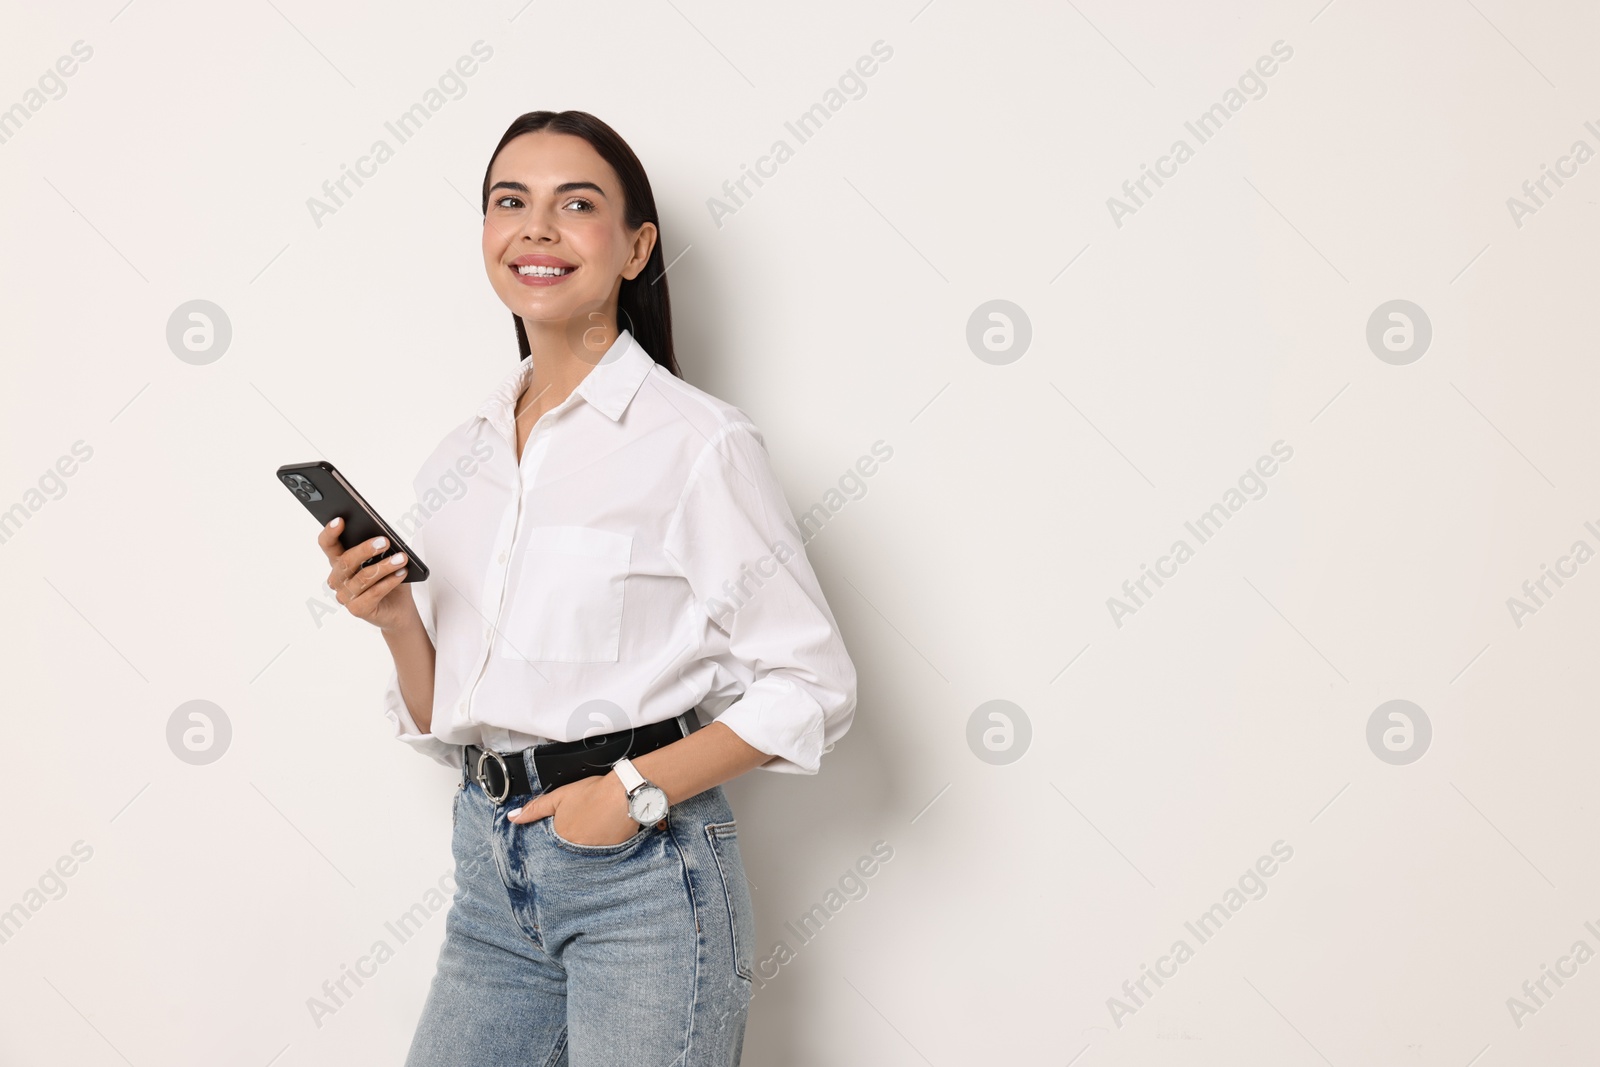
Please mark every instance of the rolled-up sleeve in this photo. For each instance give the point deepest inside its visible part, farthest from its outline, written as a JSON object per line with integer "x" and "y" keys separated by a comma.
{"x": 394, "y": 704}
{"x": 733, "y": 537}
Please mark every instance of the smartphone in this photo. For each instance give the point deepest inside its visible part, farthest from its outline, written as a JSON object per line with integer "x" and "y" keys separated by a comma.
{"x": 328, "y": 495}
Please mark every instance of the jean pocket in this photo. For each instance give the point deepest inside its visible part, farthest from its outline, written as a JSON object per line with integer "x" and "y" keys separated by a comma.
{"x": 741, "y": 915}
{"x": 549, "y": 824}
{"x": 567, "y": 604}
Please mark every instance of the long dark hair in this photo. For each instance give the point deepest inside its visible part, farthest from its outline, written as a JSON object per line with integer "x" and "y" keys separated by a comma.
{"x": 643, "y": 300}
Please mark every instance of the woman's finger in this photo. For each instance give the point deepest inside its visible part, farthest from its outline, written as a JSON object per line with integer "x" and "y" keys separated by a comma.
{"x": 364, "y": 603}
{"x": 349, "y": 563}
{"x": 328, "y": 538}
{"x": 366, "y": 577}
{"x": 353, "y": 558}
{"x": 537, "y": 808}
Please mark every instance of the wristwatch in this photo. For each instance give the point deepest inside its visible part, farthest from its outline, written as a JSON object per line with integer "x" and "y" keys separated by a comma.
{"x": 647, "y": 802}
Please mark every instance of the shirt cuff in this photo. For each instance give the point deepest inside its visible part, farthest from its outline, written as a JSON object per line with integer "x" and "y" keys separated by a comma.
{"x": 779, "y": 717}
{"x": 405, "y": 727}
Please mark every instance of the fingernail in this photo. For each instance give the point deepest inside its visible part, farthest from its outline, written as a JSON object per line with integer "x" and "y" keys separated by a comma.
{"x": 333, "y": 522}
{"x": 513, "y": 813}
{"x": 401, "y": 572}
{"x": 381, "y": 542}
{"x": 397, "y": 558}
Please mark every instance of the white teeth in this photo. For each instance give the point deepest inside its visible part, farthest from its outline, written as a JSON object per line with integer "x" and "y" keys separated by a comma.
{"x": 545, "y": 272}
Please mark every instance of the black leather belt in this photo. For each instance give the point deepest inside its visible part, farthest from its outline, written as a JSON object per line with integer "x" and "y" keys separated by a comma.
{"x": 505, "y": 774}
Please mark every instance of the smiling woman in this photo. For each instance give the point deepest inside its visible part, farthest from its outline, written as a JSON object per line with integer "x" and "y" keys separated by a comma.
{"x": 573, "y": 144}
{"x": 569, "y": 663}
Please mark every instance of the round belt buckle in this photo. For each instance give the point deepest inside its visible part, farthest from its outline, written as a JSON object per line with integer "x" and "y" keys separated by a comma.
{"x": 505, "y": 776}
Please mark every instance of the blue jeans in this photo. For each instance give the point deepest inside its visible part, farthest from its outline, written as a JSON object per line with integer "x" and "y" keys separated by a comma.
{"x": 556, "y": 953}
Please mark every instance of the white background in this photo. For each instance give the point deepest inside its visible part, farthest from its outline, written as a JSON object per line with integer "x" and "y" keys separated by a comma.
{"x": 1168, "y": 353}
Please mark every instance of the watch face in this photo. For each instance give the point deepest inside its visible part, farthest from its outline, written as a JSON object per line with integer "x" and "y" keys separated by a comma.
{"x": 648, "y": 804}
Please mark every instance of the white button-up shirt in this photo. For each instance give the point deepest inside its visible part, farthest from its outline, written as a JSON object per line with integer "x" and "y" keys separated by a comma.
{"x": 639, "y": 560}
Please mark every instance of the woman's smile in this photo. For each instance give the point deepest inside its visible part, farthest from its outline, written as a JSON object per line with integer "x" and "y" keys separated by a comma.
{"x": 542, "y": 270}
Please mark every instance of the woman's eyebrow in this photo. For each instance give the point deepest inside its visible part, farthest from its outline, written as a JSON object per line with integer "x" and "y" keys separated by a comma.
{"x": 564, "y": 187}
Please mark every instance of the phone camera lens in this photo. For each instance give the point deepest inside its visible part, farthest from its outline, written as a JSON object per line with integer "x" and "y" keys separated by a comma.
{"x": 302, "y": 487}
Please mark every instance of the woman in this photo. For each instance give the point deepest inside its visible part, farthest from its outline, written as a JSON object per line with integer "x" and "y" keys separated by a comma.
{"x": 620, "y": 617}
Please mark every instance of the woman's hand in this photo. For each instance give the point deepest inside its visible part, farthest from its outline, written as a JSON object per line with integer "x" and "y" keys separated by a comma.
{"x": 592, "y": 811}
{"x": 373, "y": 593}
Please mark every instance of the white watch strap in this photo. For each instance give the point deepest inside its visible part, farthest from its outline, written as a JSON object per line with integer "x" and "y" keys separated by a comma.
{"x": 631, "y": 778}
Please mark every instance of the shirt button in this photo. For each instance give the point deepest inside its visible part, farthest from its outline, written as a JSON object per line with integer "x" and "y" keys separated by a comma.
{"x": 502, "y": 557}
{"x": 488, "y": 632}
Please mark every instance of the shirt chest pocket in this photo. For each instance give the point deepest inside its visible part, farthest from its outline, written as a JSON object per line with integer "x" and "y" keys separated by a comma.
{"x": 567, "y": 596}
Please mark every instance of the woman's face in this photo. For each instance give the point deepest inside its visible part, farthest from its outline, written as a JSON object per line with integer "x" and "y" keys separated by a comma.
{"x": 556, "y": 212}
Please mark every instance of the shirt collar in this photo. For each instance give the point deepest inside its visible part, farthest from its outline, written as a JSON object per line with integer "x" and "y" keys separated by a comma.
{"x": 608, "y": 388}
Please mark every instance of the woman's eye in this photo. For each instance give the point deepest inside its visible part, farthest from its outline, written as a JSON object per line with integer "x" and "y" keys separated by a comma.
{"x": 583, "y": 206}
{"x": 502, "y": 201}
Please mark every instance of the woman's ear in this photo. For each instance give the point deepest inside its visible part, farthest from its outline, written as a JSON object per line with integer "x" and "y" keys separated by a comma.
{"x": 644, "y": 242}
